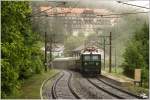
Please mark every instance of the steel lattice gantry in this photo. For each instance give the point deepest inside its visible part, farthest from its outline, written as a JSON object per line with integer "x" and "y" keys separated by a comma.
{"x": 77, "y": 19}
{"x": 82, "y": 22}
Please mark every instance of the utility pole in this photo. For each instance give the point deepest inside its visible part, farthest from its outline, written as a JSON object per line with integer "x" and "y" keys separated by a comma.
{"x": 51, "y": 43}
{"x": 104, "y": 53}
{"x": 110, "y": 54}
{"x": 105, "y": 44}
{"x": 84, "y": 44}
{"x": 115, "y": 60}
{"x": 45, "y": 51}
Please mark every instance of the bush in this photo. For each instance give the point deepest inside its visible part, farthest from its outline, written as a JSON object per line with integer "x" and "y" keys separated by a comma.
{"x": 19, "y": 46}
{"x": 9, "y": 79}
{"x": 38, "y": 66}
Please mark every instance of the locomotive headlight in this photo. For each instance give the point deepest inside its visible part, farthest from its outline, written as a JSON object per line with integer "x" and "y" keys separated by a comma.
{"x": 85, "y": 63}
{"x": 97, "y": 64}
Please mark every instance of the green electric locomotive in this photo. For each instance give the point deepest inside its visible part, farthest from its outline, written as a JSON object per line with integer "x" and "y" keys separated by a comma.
{"x": 90, "y": 61}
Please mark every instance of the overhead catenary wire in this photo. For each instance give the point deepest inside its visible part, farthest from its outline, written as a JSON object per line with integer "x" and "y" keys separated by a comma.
{"x": 45, "y": 15}
{"x": 76, "y": 5}
{"x": 127, "y": 13}
{"x": 132, "y": 5}
{"x": 139, "y": 8}
{"x": 101, "y": 15}
{"x": 41, "y": 11}
{"x": 52, "y": 8}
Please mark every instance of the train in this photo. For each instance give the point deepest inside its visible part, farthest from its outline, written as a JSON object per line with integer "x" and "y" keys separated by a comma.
{"x": 90, "y": 61}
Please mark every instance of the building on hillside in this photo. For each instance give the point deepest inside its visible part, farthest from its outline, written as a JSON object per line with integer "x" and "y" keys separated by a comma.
{"x": 58, "y": 51}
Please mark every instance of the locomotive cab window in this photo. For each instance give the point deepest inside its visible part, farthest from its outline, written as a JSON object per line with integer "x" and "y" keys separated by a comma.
{"x": 87, "y": 57}
{"x": 95, "y": 57}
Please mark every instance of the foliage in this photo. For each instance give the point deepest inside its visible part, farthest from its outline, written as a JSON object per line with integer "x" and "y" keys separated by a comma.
{"x": 124, "y": 30}
{"x": 9, "y": 79}
{"x": 21, "y": 55}
{"x": 136, "y": 53}
{"x": 53, "y": 26}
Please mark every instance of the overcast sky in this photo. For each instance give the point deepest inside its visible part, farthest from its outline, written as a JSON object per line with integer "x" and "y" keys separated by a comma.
{"x": 140, "y": 3}
{"x": 144, "y": 3}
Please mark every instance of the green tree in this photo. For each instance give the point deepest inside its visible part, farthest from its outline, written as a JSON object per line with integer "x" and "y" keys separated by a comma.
{"x": 136, "y": 53}
{"x": 21, "y": 55}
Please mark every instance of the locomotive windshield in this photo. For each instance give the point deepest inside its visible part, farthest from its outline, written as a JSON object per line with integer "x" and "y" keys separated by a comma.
{"x": 87, "y": 57}
{"x": 95, "y": 57}
{"x": 91, "y": 57}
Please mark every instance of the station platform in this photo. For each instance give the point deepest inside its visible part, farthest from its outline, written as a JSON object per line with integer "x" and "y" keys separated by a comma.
{"x": 64, "y": 59}
{"x": 64, "y": 63}
{"x": 119, "y": 80}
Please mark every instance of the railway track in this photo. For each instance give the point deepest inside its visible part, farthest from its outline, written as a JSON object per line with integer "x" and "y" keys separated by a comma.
{"x": 112, "y": 90}
{"x": 86, "y": 90}
{"x": 44, "y": 91}
{"x": 72, "y": 85}
{"x": 118, "y": 88}
{"x": 62, "y": 89}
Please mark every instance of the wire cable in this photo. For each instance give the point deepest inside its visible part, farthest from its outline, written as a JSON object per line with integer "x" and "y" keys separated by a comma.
{"x": 33, "y": 15}
{"x": 123, "y": 13}
{"x": 132, "y": 5}
{"x": 41, "y": 11}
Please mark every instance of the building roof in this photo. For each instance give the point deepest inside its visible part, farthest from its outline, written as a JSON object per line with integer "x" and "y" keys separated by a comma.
{"x": 74, "y": 10}
{"x": 58, "y": 48}
{"x": 81, "y": 47}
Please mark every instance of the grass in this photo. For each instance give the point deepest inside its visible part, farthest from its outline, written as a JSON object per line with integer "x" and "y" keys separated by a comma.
{"x": 115, "y": 71}
{"x": 137, "y": 90}
{"x": 31, "y": 87}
